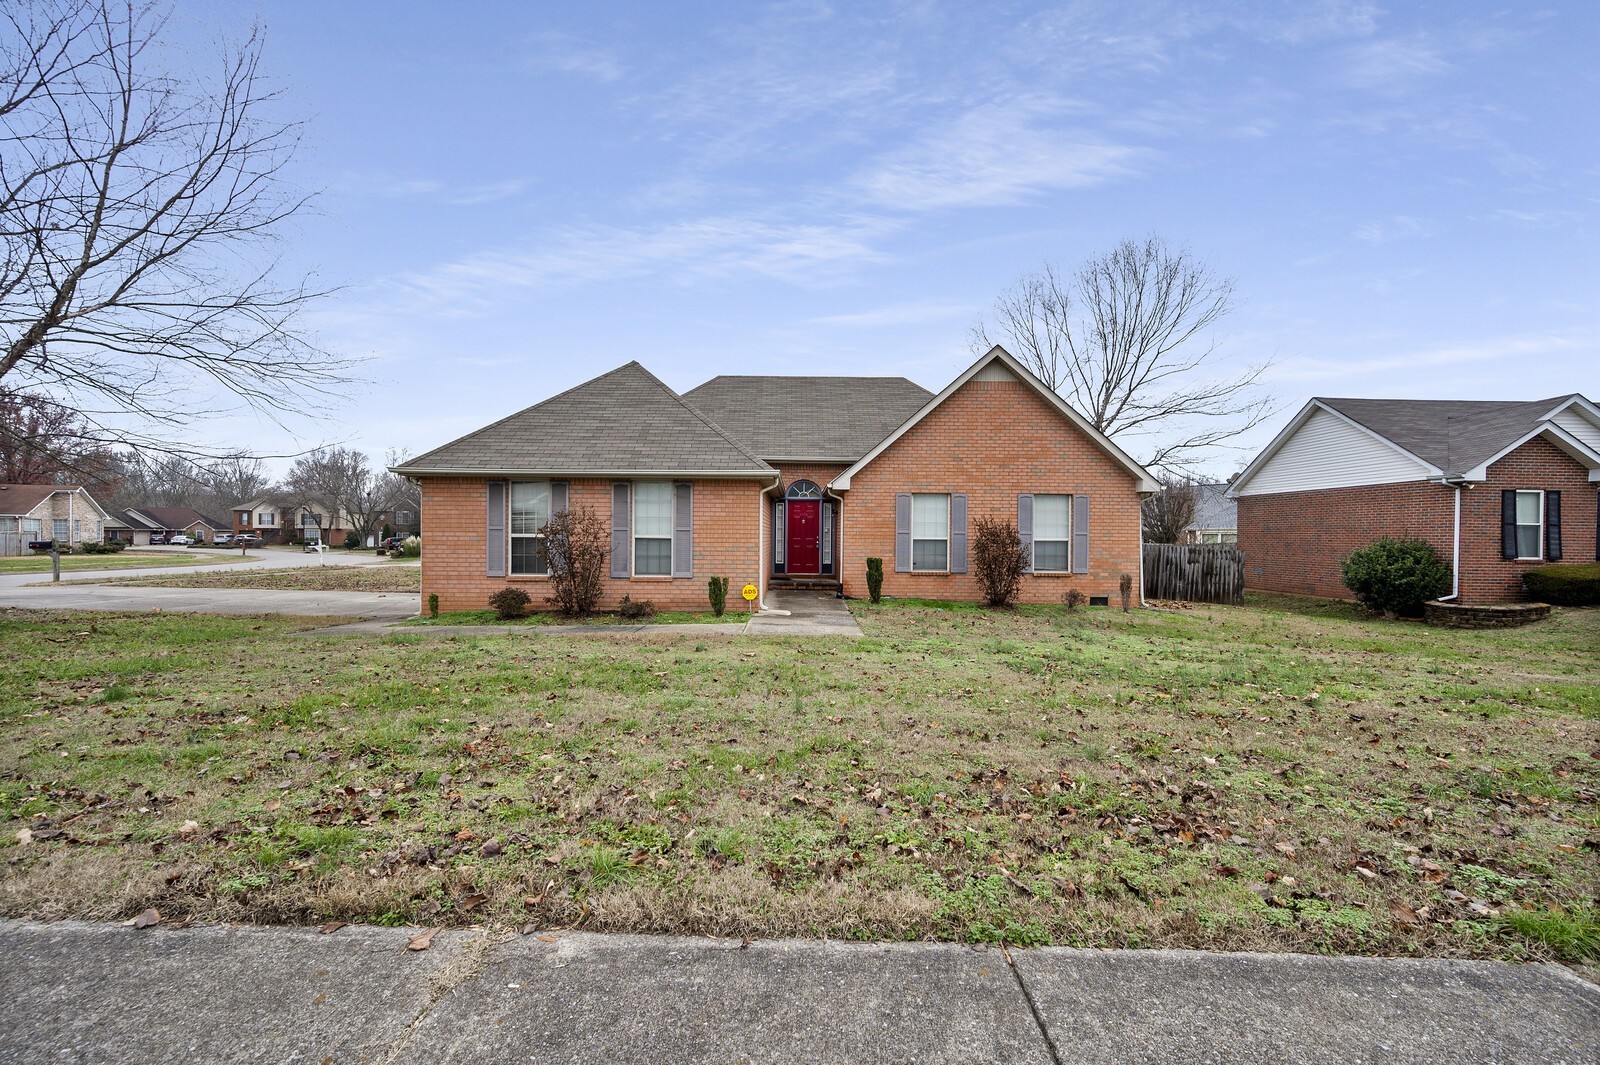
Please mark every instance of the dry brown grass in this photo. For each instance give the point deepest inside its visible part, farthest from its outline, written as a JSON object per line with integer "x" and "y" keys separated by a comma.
{"x": 365, "y": 578}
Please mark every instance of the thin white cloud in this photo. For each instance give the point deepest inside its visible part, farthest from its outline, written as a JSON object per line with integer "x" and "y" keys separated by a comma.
{"x": 998, "y": 154}
{"x": 1391, "y": 65}
{"x": 566, "y": 54}
{"x": 899, "y": 314}
{"x": 1388, "y": 230}
{"x": 390, "y": 187}
{"x": 1363, "y": 370}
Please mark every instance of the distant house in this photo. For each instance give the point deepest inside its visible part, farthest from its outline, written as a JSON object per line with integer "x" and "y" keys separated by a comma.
{"x": 1497, "y": 487}
{"x": 124, "y": 527}
{"x": 1216, "y": 516}
{"x": 785, "y": 481}
{"x": 159, "y": 523}
{"x": 62, "y": 512}
{"x": 262, "y": 517}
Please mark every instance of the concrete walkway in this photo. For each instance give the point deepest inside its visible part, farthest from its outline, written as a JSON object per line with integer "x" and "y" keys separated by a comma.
{"x": 804, "y": 614}
{"x": 110, "y": 994}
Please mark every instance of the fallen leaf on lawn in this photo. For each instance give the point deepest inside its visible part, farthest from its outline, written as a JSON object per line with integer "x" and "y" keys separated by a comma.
{"x": 189, "y": 828}
{"x": 547, "y": 939}
{"x": 332, "y": 926}
{"x": 489, "y": 849}
{"x": 145, "y": 920}
{"x": 1284, "y": 848}
{"x": 423, "y": 940}
{"x": 1402, "y": 912}
{"x": 24, "y": 835}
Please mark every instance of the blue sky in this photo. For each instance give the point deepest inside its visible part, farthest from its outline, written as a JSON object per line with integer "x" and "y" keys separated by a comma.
{"x": 516, "y": 196}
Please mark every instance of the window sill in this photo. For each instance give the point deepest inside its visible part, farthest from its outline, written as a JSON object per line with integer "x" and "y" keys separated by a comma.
{"x": 1054, "y": 573}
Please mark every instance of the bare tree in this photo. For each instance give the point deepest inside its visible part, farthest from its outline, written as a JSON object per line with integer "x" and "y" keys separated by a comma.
{"x": 134, "y": 207}
{"x": 1168, "y": 513}
{"x": 43, "y": 442}
{"x": 234, "y": 480}
{"x": 1126, "y": 340}
{"x": 341, "y": 480}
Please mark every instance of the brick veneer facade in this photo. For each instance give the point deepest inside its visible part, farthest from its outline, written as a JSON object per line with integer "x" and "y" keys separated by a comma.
{"x": 728, "y": 532}
{"x": 993, "y": 440}
{"x": 1293, "y": 541}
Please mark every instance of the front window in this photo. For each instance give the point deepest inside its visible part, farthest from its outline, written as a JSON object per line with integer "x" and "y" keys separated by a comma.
{"x": 267, "y": 517}
{"x": 61, "y": 529}
{"x": 1052, "y": 534}
{"x": 652, "y": 529}
{"x": 30, "y": 528}
{"x": 930, "y": 532}
{"x": 404, "y": 517}
{"x": 1530, "y": 524}
{"x": 530, "y": 513}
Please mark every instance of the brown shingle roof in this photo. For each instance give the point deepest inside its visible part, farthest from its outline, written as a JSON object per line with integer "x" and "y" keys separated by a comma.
{"x": 834, "y": 418}
{"x": 1453, "y": 435}
{"x": 625, "y": 421}
{"x": 18, "y": 499}
{"x": 172, "y": 518}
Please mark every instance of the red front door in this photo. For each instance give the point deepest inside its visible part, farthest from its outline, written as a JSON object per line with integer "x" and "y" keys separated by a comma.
{"x": 805, "y": 536}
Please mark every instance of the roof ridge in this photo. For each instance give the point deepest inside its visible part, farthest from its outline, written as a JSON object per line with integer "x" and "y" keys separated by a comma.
{"x": 704, "y": 418}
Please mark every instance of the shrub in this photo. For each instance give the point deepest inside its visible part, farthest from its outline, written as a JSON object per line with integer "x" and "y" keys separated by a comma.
{"x": 352, "y": 540}
{"x": 411, "y": 547}
{"x": 95, "y": 547}
{"x": 433, "y": 605}
{"x": 1074, "y": 599}
{"x": 1395, "y": 576}
{"x": 576, "y": 543}
{"x": 510, "y": 603}
{"x": 643, "y": 610}
{"x": 387, "y": 532}
{"x": 717, "y": 592}
{"x": 875, "y": 579}
{"x": 1565, "y": 585}
{"x": 999, "y": 559}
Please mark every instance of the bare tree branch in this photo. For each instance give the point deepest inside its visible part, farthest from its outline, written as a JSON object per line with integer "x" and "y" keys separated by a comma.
{"x": 1126, "y": 340}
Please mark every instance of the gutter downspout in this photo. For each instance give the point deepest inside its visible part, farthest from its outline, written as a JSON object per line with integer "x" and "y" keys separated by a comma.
{"x": 1142, "y": 600}
{"x": 1455, "y": 549}
{"x": 838, "y": 532}
{"x": 761, "y": 545}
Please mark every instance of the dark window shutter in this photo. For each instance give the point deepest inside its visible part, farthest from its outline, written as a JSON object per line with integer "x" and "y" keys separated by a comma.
{"x": 779, "y": 543}
{"x": 1552, "y": 526}
{"x": 558, "y": 497}
{"x": 1508, "y": 523}
{"x": 494, "y": 535}
{"x": 902, "y": 532}
{"x": 1025, "y": 529}
{"x": 683, "y": 529}
{"x": 621, "y": 522}
{"x": 958, "y": 533}
{"x": 1080, "y": 534}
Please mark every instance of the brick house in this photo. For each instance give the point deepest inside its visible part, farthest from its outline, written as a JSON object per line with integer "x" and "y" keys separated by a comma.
{"x": 1496, "y": 487}
{"x": 779, "y": 481}
{"x": 160, "y": 523}
{"x": 34, "y": 512}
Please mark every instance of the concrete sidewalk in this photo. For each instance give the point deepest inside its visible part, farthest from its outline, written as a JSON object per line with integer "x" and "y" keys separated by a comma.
{"x": 109, "y": 994}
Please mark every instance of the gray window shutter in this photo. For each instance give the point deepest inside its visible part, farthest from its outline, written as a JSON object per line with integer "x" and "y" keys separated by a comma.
{"x": 621, "y": 522}
{"x": 683, "y": 529}
{"x": 558, "y": 497}
{"x": 902, "y": 532}
{"x": 1508, "y": 523}
{"x": 1552, "y": 526}
{"x": 779, "y": 544}
{"x": 1080, "y": 534}
{"x": 1025, "y": 529}
{"x": 958, "y": 533}
{"x": 494, "y": 535}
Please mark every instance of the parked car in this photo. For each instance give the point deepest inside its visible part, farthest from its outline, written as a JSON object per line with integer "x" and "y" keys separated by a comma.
{"x": 180, "y": 540}
{"x": 313, "y": 543}
{"x": 157, "y": 539}
{"x": 393, "y": 543}
{"x": 247, "y": 540}
{"x": 222, "y": 539}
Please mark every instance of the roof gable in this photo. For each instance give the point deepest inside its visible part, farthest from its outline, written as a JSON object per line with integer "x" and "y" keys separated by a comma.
{"x": 29, "y": 496}
{"x": 174, "y": 517}
{"x": 622, "y": 422}
{"x": 819, "y": 419}
{"x": 990, "y": 363}
{"x": 1452, "y": 435}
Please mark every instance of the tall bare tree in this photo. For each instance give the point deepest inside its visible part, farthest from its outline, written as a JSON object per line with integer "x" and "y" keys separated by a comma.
{"x": 135, "y": 207}
{"x": 44, "y": 442}
{"x": 1127, "y": 340}
{"x": 342, "y": 484}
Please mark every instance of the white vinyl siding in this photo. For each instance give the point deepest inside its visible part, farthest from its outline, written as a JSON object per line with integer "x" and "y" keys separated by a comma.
{"x": 930, "y": 533}
{"x": 267, "y": 518}
{"x": 1052, "y": 534}
{"x": 530, "y": 512}
{"x": 1530, "y": 525}
{"x": 1328, "y": 452}
{"x": 652, "y": 529}
{"x": 1576, "y": 423}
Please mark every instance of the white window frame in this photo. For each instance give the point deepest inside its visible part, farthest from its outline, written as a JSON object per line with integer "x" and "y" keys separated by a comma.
{"x": 1522, "y": 525}
{"x": 266, "y": 518}
{"x": 61, "y": 529}
{"x": 33, "y": 528}
{"x": 1037, "y": 539}
{"x": 512, "y": 537}
{"x": 405, "y": 517}
{"x": 633, "y": 529}
{"x": 930, "y": 539}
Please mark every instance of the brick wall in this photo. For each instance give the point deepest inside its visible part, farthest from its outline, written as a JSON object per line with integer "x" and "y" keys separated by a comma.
{"x": 1293, "y": 541}
{"x": 993, "y": 440}
{"x": 726, "y": 544}
{"x": 70, "y": 507}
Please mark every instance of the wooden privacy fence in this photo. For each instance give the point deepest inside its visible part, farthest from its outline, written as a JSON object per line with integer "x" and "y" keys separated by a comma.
{"x": 14, "y": 543}
{"x": 1196, "y": 573}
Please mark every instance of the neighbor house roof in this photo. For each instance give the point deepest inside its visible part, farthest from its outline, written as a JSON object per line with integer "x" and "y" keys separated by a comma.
{"x": 1452, "y": 435}
{"x": 131, "y": 520}
{"x": 166, "y": 518}
{"x": 1213, "y": 509}
{"x": 624, "y": 422}
{"x": 19, "y": 499}
{"x": 821, "y": 419}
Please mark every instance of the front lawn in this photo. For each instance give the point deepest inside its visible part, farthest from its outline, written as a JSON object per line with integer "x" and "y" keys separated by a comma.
{"x": 341, "y": 578}
{"x": 124, "y": 560}
{"x": 542, "y": 617}
{"x": 1283, "y": 776}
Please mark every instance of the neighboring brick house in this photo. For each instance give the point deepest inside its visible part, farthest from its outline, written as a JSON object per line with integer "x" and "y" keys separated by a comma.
{"x": 35, "y": 512}
{"x": 159, "y": 523}
{"x": 260, "y": 517}
{"x": 778, "y": 481}
{"x": 1497, "y": 487}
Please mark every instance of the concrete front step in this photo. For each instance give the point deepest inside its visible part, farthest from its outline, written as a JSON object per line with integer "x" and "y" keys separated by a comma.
{"x": 803, "y": 584}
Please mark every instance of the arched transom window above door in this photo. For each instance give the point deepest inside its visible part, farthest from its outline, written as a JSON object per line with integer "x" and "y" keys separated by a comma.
{"x": 804, "y": 490}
